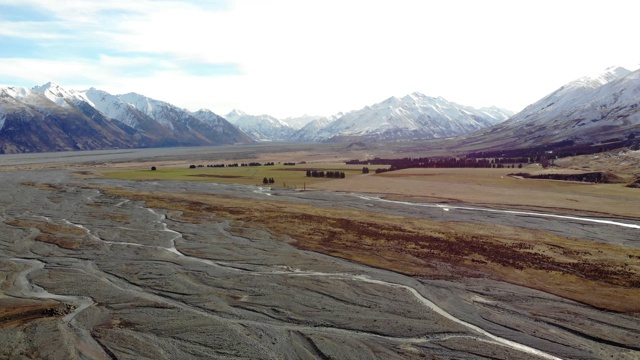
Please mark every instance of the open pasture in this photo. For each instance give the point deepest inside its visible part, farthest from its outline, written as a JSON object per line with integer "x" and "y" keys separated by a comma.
{"x": 493, "y": 187}
{"x": 288, "y": 176}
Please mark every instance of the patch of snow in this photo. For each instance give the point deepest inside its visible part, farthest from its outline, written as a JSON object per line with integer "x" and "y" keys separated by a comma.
{"x": 413, "y": 116}
{"x": 18, "y": 92}
{"x": 260, "y": 127}
{"x": 61, "y": 96}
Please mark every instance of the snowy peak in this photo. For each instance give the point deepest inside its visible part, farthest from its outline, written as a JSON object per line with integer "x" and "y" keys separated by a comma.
{"x": 301, "y": 121}
{"x": 241, "y": 117}
{"x": 111, "y": 105}
{"x": 590, "y": 109}
{"x": 412, "y": 116}
{"x": 558, "y": 103}
{"x": 16, "y": 92}
{"x": 59, "y": 95}
{"x": 260, "y": 127}
{"x": 235, "y": 114}
{"x": 310, "y": 130}
{"x": 144, "y": 104}
{"x": 608, "y": 75}
{"x": 208, "y": 116}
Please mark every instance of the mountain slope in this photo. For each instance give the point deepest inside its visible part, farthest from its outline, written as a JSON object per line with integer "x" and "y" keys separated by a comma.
{"x": 149, "y": 133}
{"x": 261, "y": 127}
{"x": 299, "y": 122}
{"x": 185, "y": 128}
{"x": 309, "y": 132}
{"x": 161, "y": 124}
{"x": 32, "y": 122}
{"x": 587, "y": 110}
{"x": 51, "y": 118}
{"x": 413, "y": 116}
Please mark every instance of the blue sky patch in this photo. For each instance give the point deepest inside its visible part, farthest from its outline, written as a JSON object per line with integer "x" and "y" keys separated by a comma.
{"x": 22, "y": 13}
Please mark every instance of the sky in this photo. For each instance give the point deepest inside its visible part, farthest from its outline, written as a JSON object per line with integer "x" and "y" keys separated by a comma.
{"x": 287, "y": 58}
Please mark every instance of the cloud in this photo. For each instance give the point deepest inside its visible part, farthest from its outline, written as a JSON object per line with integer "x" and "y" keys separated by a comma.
{"x": 286, "y": 57}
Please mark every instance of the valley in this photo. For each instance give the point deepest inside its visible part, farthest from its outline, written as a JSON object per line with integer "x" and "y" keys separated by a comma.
{"x": 336, "y": 180}
{"x": 435, "y": 263}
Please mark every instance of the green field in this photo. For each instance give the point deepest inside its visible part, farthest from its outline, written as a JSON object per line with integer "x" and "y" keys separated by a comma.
{"x": 284, "y": 176}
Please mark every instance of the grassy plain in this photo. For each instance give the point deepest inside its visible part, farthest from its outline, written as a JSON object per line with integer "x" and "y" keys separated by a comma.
{"x": 487, "y": 187}
{"x": 289, "y": 176}
{"x": 493, "y": 187}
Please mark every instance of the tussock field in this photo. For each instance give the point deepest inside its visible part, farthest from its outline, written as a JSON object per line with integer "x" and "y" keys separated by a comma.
{"x": 584, "y": 271}
{"x": 493, "y": 187}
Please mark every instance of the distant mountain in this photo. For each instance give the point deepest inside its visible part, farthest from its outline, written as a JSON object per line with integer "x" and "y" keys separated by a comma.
{"x": 188, "y": 130}
{"x": 589, "y": 109}
{"x": 51, "y": 118}
{"x": 261, "y": 127}
{"x": 310, "y": 131}
{"x": 411, "y": 117}
{"x": 301, "y": 121}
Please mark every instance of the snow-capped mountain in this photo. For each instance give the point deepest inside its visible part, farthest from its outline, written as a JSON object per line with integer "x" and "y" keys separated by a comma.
{"x": 164, "y": 123}
{"x": 589, "y": 109}
{"x": 209, "y": 117}
{"x": 260, "y": 127}
{"x": 410, "y": 117}
{"x": 51, "y": 118}
{"x": 309, "y": 132}
{"x": 301, "y": 121}
{"x": 60, "y": 96}
{"x": 568, "y": 95}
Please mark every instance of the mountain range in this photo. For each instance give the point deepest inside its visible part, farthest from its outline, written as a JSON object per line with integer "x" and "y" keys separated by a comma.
{"x": 261, "y": 127}
{"x": 415, "y": 116}
{"x": 51, "y": 118}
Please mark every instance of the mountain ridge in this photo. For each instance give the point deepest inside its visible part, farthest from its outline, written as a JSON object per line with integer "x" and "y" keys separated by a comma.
{"x": 588, "y": 109}
{"x": 413, "y": 116}
{"x": 49, "y": 117}
{"x": 52, "y": 118}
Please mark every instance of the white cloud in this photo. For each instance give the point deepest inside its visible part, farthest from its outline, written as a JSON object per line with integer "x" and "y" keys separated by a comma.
{"x": 299, "y": 57}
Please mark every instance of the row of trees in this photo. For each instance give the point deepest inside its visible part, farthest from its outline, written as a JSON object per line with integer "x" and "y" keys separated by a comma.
{"x": 446, "y": 162}
{"x": 231, "y": 165}
{"x": 328, "y": 174}
{"x": 365, "y": 170}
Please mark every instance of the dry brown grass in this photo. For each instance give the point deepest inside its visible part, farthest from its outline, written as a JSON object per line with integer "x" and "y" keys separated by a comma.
{"x": 48, "y": 227}
{"x": 492, "y": 187}
{"x": 602, "y": 275}
{"x": 39, "y": 185}
{"x": 65, "y": 236}
{"x": 14, "y": 312}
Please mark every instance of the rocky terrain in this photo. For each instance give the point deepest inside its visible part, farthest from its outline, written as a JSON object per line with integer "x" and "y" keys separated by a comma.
{"x": 96, "y": 269}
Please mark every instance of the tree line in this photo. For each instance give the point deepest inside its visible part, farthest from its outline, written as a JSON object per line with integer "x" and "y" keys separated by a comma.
{"x": 328, "y": 174}
{"x": 449, "y": 162}
{"x": 231, "y": 165}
